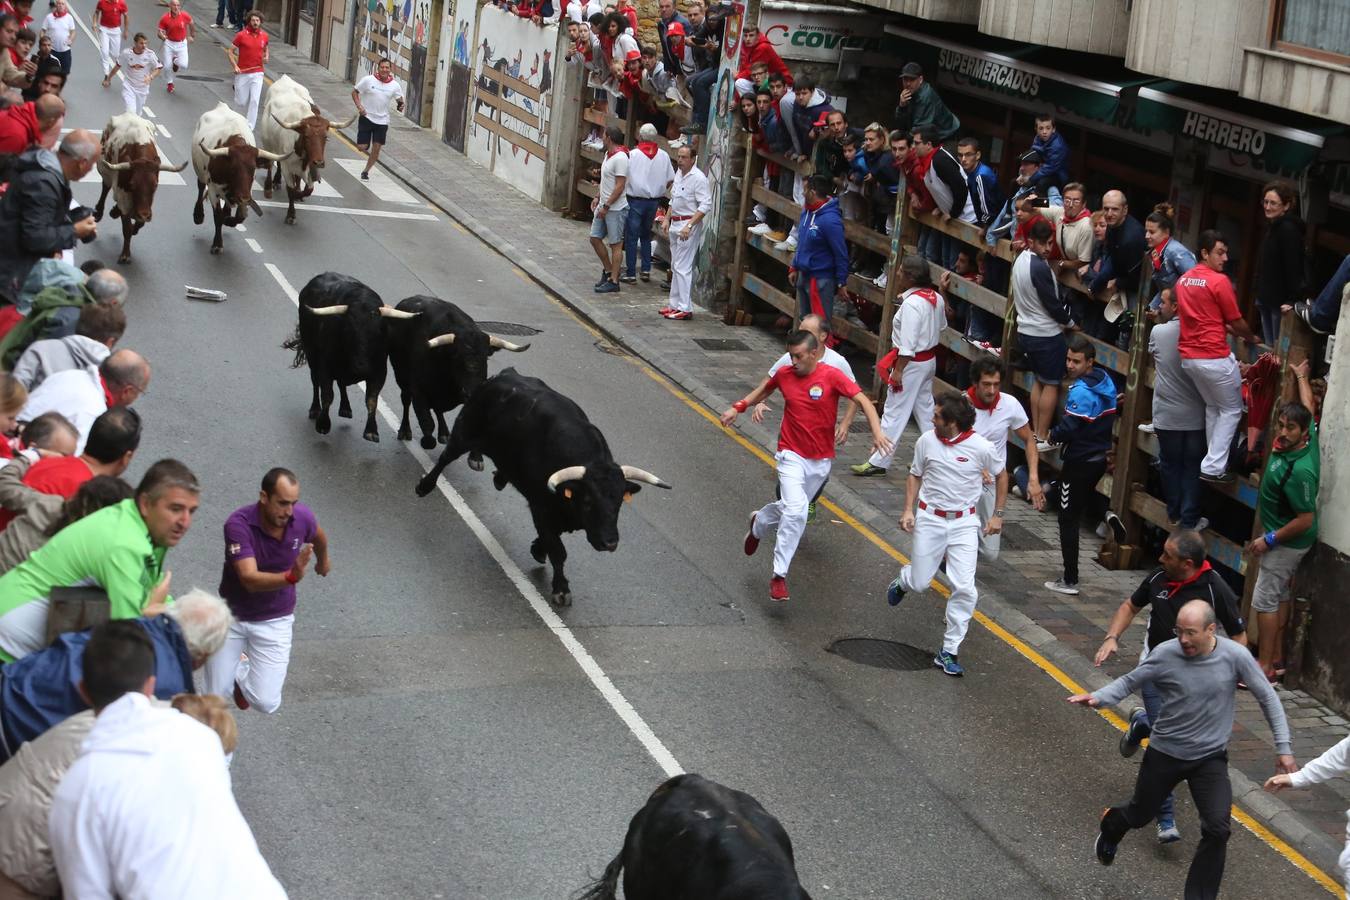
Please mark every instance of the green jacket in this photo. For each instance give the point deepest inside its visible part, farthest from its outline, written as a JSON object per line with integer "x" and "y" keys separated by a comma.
{"x": 927, "y": 108}
{"x": 1289, "y": 487}
{"x": 54, "y": 310}
{"x": 110, "y": 548}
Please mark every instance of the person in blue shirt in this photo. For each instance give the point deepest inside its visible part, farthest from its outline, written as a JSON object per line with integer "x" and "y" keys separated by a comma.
{"x": 1055, "y": 151}
{"x": 1170, "y": 259}
{"x": 819, "y": 268}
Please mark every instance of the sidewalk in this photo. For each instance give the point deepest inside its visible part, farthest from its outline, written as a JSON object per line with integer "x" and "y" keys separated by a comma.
{"x": 716, "y": 364}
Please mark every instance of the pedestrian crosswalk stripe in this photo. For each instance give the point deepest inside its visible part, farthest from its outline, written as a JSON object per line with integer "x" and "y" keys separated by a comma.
{"x": 165, "y": 178}
{"x": 321, "y": 189}
{"x": 380, "y": 184}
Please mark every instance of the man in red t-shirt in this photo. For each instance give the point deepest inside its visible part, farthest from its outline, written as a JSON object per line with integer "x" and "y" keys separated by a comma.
{"x": 176, "y": 30}
{"x": 112, "y": 22}
{"x": 248, "y": 55}
{"x": 1207, "y": 308}
{"x": 112, "y": 443}
{"x": 806, "y": 442}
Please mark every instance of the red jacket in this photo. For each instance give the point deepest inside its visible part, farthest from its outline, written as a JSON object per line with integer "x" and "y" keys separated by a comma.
{"x": 914, "y": 169}
{"x": 18, "y": 128}
{"x": 763, "y": 51}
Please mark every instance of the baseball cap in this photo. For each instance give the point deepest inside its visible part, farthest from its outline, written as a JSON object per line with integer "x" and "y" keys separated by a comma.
{"x": 823, "y": 119}
{"x": 675, "y": 28}
{"x": 633, "y": 54}
{"x": 1031, "y": 156}
{"x": 911, "y": 70}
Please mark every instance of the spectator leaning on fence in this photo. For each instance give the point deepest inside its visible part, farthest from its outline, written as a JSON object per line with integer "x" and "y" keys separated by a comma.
{"x": 1042, "y": 319}
{"x": 1170, "y": 259}
{"x": 1178, "y": 421}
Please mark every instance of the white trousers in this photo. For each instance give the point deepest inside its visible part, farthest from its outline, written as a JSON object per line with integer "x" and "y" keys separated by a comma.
{"x": 109, "y": 46}
{"x": 989, "y": 543}
{"x": 175, "y": 53}
{"x": 268, "y": 645}
{"x": 914, "y": 398}
{"x": 1220, "y": 385}
{"x": 958, "y": 539}
{"x": 247, "y": 91}
{"x": 682, "y": 253}
{"x": 134, "y": 98}
{"x": 798, "y": 480}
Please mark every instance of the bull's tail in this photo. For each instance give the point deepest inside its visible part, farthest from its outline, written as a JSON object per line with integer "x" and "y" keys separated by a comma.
{"x": 298, "y": 346}
{"x": 607, "y": 888}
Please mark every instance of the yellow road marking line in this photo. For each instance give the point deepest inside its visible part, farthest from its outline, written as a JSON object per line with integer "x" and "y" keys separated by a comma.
{"x": 520, "y": 273}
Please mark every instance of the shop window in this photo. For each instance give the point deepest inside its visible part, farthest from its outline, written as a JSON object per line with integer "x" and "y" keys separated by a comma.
{"x": 1319, "y": 28}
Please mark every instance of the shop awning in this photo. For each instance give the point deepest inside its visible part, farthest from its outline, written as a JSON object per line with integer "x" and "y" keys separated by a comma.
{"x": 1166, "y": 106}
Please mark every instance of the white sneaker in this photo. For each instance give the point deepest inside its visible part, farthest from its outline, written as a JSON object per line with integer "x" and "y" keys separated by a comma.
{"x": 1201, "y": 523}
{"x": 1060, "y": 587}
{"x": 789, "y": 244}
{"x": 761, "y": 228}
{"x": 1045, "y": 446}
{"x": 1147, "y": 428}
{"x": 880, "y": 281}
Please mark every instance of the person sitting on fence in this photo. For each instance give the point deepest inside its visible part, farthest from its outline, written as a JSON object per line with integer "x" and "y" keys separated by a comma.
{"x": 1028, "y": 214}
{"x": 1170, "y": 258}
{"x": 756, "y": 48}
{"x": 659, "y": 88}
{"x": 673, "y": 56}
{"x": 921, "y": 107}
{"x": 1055, "y": 151}
{"x": 1321, "y": 313}
{"x": 1042, "y": 319}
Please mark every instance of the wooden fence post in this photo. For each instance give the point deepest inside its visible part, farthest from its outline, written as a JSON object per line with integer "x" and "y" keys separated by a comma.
{"x": 1131, "y": 465}
{"x": 890, "y": 267}
{"x": 735, "y": 302}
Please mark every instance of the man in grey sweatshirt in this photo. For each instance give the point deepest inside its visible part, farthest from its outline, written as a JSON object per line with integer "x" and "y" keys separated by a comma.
{"x": 1197, "y": 675}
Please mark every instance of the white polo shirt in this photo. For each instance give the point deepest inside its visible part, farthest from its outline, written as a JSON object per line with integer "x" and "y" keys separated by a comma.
{"x": 61, "y": 29}
{"x": 919, "y": 321}
{"x": 953, "y": 472}
{"x": 648, "y": 176}
{"x": 832, "y": 358}
{"x": 994, "y": 424}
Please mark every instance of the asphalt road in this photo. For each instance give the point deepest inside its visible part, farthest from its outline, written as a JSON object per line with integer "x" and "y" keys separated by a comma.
{"x": 438, "y": 739}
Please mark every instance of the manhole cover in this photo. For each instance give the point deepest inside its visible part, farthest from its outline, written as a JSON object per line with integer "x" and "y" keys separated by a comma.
{"x": 720, "y": 344}
{"x": 882, "y": 654}
{"x": 200, "y": 77}
{"x": 508, "y": 328}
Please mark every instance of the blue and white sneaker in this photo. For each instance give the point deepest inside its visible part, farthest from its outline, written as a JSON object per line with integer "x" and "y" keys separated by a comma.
{"x": 1136, "y": 731}
{"x": 1168, "y": 833}
{"x": 948, "y": 664}
{"x": 895, "y": 593}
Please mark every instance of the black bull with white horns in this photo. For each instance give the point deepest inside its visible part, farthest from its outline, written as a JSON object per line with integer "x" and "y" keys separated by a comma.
{"x": 545, "y": 447}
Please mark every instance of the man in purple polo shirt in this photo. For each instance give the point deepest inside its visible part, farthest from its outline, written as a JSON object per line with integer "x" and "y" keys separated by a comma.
{"x": 268, "y": 546}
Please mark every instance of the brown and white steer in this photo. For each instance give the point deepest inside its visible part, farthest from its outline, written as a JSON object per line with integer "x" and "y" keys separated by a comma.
{"x": 291, "y": 123}
{"x": 225, "y": 157}
{"x": 130, "y": 167}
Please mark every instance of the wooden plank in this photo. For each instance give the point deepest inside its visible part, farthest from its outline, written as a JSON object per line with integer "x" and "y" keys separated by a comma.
{"x": 787, "y": 304}
{"x": 738, "y": 263}
{"x": 594, "y": 116}
{"x": 1131, "y": 464}
{"x": 770, "y": 294}
{"x": 969, "y": 291}
{"x": 589, "y": 188}
{"x": 1221, "y": 549}
{"x": 595, "y": 156}
{"x": 519, "y": 113}
{"x": 854, "y": 232}
{"x": 511, "y": 137}
{"x": 511, "y": 82}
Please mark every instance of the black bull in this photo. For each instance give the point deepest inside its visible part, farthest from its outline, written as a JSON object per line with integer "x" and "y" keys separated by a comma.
{"x": 439, "y": 359}
{"x": 697, "y": 839}
{"x": 544, "y": 446}
{"x": 341, "y": 336}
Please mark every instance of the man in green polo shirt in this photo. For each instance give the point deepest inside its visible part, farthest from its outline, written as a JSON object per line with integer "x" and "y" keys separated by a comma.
{"x": 120, "y": 548}
{"x": 1287, "y": 507}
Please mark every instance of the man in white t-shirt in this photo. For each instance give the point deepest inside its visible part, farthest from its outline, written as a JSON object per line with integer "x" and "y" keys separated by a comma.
{"x": 996, "y": 414}
{"x": 610, "y": 209}
{"x": 139, "y": 65}
{"x": 59, "y": 25}
{"x": 916, "y": 332}
{"x": 947, "y": 477}
{"x": 373, "y": 95}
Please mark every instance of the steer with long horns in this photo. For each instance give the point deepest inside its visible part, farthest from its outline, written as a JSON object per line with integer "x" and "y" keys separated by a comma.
{"x": 440, "y": 359}
{"x": 130, "y": 166}
{"x": 291, "y": 123}
{"x": 225, "y": 157}
{"x": 341, "y": 336}
{"x": 544, "y": 446}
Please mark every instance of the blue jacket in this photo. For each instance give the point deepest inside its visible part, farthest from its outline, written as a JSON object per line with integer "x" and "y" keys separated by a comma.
{"x": 1055, "y": 168}
{"x": 821, "y": 249}
{"x": 1089, "y": 413}
{"x": 858, "y": 169}
{"x": 1125, "y": 249}
{"x": 1176, "y": 261}
{"x": 42, "y": 689}
{"x": 775, "y": 135}
{"x": 881, "y": 166}
{"x": 985, "y": 194}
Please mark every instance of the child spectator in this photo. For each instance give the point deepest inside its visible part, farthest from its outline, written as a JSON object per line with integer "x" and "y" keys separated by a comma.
{"x": 1028, "y": 214}
{"x": 1055, "y": 151}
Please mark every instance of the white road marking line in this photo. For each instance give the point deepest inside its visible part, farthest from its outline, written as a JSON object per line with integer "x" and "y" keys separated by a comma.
{"x": 165, "y": 178}
{"x": 380, "y": 184}
{"x": 253, "y": 245}
{"x": 240, "y": 227}
{"x": 376, "y": 213}
{"x": 149, "y": 113}
{"x": 613, "y": 696}
{"x": 321, "y": 188}
{"x": 164, "y": 131}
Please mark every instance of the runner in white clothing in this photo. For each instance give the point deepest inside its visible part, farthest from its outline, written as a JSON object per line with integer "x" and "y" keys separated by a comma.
{"x": 947, "y": 477}
{"x": 996, "y": 414}
{"x": 139, "y": 65}
{"x": 916, "y": 332}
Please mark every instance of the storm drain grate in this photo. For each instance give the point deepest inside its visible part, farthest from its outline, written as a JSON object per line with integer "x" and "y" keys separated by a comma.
{"x": 882, "y": 654}
{"x": 720, "y": 344}
{"x": 214, "y": 78}
{"x": 510, "y": 328}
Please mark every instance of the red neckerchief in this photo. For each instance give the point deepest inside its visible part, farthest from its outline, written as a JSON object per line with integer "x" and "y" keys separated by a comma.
{"x": 926, "y": 293}
{"x": 618, "y": 148}
{"x": 382, "y": 80}
{"x": 1078, "y": 218}
{"x": 107, "y": 394}
{"x": 956, "y": 440}
{"x": 57, "y": 15}
{"x": 818, "y": 205}
{"x": 254, "y": 31}
{"x": 649, "y": 148}
{"x": 1156, "y": 253}
{"x": 1174, "y": 586}
{"x": 975, "y": 400}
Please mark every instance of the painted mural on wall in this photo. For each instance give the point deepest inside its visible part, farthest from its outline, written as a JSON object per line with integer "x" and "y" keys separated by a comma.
{"x": 401, "y": 30}
{"x": 714, "y": 155}
{"x": 509, "y": 98}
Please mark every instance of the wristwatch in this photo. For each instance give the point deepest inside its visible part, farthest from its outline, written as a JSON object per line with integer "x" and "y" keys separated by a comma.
{"x": 998, "y": 514}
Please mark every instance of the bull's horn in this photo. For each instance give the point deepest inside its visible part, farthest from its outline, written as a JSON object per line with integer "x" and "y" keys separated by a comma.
{"x": 289, "y": 126}
{"x": 390, "y": 313}
{"x": 165, "y": 167}
{"x": 500, "y": 344}
{"x": 117, "y": 167}
{"x": 570, "y": 473}
{"x": 214, "y": 151}
{"x": 633, "y": 473}
{"x": 274, "y": 157}
{"x": 442, "y": 340}
{"x": 326, "y": 310}
{"x": 346, "y": 124}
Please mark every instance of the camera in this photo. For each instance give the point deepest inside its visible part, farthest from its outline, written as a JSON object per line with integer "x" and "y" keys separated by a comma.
{"x": 79, "y": 214}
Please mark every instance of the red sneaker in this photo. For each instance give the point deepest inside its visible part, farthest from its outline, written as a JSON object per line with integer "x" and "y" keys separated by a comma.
{"x": 778, "y": 589}
{"x": 663, "y": 311}
{"x": 170, "y": 87}
{"x": 678, "y": 315}
{"x": 242, "y": 702}
{"x": 751, "y": 542}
